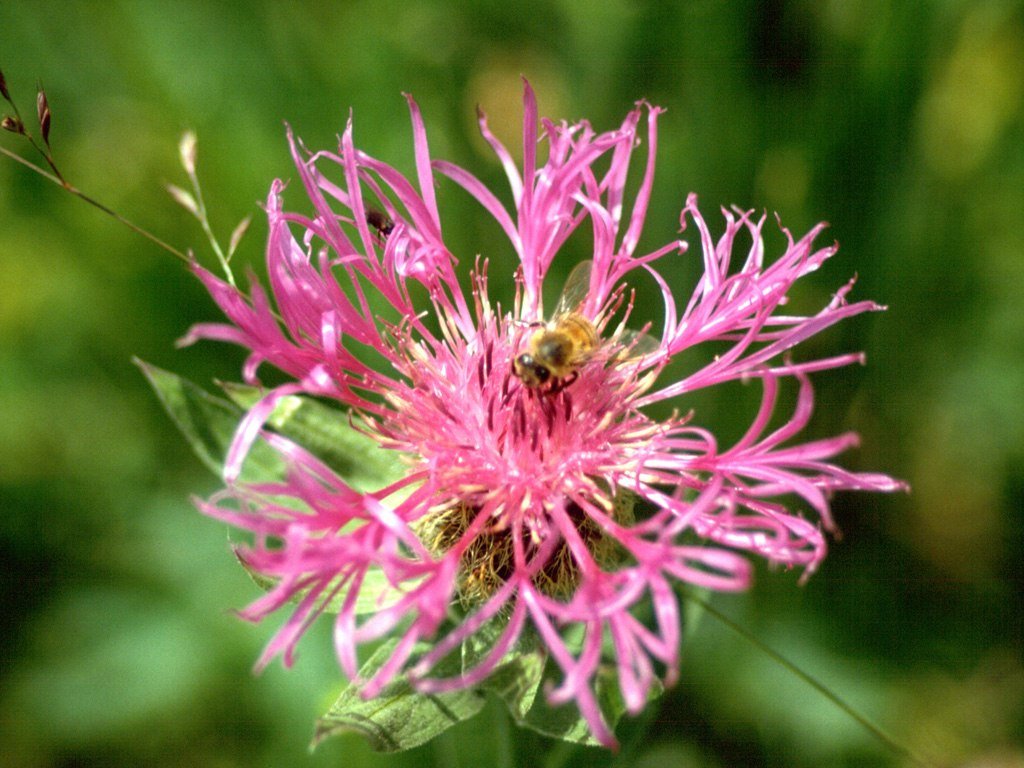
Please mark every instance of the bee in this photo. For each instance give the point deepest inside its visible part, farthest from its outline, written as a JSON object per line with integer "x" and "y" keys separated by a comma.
{"x": 557, "y": 350}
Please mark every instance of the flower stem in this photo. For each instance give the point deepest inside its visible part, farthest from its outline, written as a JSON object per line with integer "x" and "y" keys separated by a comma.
{"x": 204, "y": 222}
{"x": 60, "y": 182}
{"x": 869, "y": 726}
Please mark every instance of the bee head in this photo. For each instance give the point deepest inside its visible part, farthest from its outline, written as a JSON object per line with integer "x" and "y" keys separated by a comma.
{"x": 532, "y": 373}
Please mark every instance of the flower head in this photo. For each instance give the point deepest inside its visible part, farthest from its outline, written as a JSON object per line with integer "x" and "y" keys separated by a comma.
{"x": 557, "y": 509}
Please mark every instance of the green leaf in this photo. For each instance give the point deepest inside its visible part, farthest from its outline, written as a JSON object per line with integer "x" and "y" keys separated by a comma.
{"x": 400, "y": 717}
{"x": 565, "y": 722}
{"x": 695, "y": 600}
{"x": 208, "y": 424}
{"x": 516, "y": 678}
{"x": 376, "y": 592}
{"x": 326, "y": 432}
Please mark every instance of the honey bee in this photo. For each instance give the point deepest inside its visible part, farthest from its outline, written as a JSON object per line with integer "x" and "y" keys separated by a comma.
{"x": 561, "y": 346}
{"x": 556, "y": 351}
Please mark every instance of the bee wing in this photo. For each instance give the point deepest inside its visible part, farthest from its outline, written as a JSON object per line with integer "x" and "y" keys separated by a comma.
{"x": 576, "y": 288}
{"x": 636, "y": 344}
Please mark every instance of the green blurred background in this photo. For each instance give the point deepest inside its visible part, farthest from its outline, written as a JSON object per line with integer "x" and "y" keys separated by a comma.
{"x": 899, "y": 123}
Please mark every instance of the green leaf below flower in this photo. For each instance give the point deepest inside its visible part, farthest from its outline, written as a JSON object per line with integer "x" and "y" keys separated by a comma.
{"x": 516, "y": 679}
{"x": 208, "y": 424}
{"x": 375, "y": 593}
{"x": 327, "y": 432}
{"x": 401, "y": 717}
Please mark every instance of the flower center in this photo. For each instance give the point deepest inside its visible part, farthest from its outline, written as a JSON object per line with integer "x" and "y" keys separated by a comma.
{"x": 488, "y": 559}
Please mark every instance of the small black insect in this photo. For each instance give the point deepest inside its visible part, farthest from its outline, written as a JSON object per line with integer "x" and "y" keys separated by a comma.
{"x": 380, "y": 222}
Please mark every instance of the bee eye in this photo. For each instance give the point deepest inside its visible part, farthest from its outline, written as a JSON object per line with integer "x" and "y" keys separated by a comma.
{"x": 542, "y": 373}
{"x": 525, "y": 360}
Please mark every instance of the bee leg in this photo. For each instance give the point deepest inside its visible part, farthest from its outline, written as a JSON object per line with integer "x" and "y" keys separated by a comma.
{"x": 560, "y": 384}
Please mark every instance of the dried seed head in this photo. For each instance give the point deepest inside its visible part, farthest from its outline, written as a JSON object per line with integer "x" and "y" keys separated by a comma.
{"x": 12, "y": 124}
{"x": 43, "y": 110}
{"x": 183, "y": 198}
{"x": 187, "y": 149}
{"x": 238, "y": 233}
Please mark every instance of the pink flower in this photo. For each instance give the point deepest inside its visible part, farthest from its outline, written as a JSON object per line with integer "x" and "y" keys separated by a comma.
{"x": 560, "y": 507}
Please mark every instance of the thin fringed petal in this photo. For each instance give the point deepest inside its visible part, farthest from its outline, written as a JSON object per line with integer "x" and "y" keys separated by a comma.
{"x": 529, "y": 146}
{"x": 423, "y": 169}
{"x": 485, "y": 197}
{"x": 643, "y": 197}
{"x": 515, "y": 180}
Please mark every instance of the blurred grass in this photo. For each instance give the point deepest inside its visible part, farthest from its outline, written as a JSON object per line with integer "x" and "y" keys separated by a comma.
{"x": 899, "y": 123}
